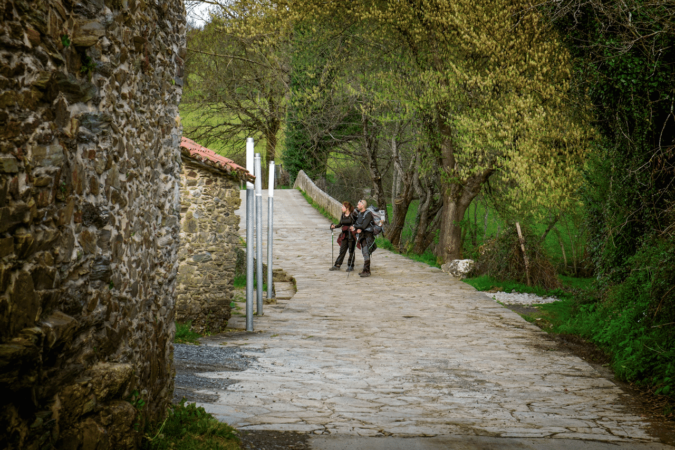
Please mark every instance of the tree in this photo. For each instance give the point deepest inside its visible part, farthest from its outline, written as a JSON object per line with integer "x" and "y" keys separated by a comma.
{"x": 238, "y": 82}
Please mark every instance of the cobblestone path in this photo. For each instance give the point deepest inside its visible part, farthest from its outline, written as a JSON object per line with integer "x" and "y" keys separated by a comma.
{"x": 407, "y": 352}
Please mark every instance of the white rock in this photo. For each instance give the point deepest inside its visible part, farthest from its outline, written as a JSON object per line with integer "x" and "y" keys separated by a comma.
{"x": 458, "y": 268}
{"x": 515, "y": 298}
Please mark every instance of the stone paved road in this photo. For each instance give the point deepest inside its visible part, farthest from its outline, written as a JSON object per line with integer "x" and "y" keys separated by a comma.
{"x": 408, "y": 352}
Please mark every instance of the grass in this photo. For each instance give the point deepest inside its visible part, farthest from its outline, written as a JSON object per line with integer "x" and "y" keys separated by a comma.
{"x": 570, "y": 286}
{"x": 188, "y": 427}
{"x": 240, "y": 282}
{"x": 184, "y": 335}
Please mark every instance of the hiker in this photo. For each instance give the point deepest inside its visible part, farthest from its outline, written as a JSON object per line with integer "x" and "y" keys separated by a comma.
{"x": 347, "y": 239}
{"x": 364, "y": 235}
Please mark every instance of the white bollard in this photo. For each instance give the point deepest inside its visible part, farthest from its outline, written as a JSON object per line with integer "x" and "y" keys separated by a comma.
{"x": 270, "y": 229}
{"x": 250, "y": 216}
{"x": 258, "y": 234}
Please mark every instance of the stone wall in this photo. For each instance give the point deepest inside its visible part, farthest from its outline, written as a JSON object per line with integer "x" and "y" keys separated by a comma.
{"x": 89, "y": 218}
{"x": 209, "y": 237}
{"x": 321, "y": 198}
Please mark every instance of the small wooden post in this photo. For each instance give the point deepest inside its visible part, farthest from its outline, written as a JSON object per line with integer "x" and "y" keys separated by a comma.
{"x": 522, "y": 246}
{"x": 562, "y": 247}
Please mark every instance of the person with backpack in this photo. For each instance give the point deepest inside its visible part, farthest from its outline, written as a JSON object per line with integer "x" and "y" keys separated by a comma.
{"x": 366, "y": 228}
{"x": 346, "y": 240}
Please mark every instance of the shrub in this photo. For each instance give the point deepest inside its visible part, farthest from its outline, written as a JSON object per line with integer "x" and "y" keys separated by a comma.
{"x": 635, "y": 319}
{"x": 188, "y": 427}
{"x": 502, "y": 258}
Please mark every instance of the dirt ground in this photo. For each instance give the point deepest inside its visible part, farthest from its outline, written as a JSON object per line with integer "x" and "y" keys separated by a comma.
{"x": 274, "y": 440}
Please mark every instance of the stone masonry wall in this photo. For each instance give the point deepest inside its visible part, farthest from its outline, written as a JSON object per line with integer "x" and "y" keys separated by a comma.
{"x": 89, "y": 218}
{"x": 209, "y": 236}
{"x": 321, "y": 198}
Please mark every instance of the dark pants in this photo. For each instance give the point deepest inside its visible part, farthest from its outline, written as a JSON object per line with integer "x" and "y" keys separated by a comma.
{"x": 367, "y": 245}
{"x": 346, "y": 244}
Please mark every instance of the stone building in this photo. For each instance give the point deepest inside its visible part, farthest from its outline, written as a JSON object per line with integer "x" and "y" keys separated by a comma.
{"x": 208, "y": 238}
{"x": 89, "y": 218}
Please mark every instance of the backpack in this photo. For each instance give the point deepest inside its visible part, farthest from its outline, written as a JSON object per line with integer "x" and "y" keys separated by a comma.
{"x": 379, "y": 218}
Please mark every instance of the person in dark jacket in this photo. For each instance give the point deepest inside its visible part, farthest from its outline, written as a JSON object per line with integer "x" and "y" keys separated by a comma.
{"x": 347, "y": 239}
{"x": 364, "y": 235}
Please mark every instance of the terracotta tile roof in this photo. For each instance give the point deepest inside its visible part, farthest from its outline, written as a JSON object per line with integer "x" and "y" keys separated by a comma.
{"x": 195, "y": 151}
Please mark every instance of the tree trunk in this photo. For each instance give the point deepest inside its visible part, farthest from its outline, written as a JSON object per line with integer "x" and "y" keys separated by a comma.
{"x": 474, "y": 228}
{"x": 562, "y": 248}
{"x": 426, "y": 231}
{"x": 548, "y": 229}
{"x": 400, "y": 208}
{"x": 428, "y": 217}
{"x": 394, "y": 194}
{"x": 371, "y": 147}
{"x": 401, "y": 203}
{"x": 485, "y": 223}
{"x": 522, "y": 246}
{"x": 457, "y": 196}
{"x": 270, "y": 148}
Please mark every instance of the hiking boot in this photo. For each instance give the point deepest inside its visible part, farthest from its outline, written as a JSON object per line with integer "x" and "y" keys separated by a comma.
{"x": 350, "y": 268}
{"x": 335, "y": 268}
{"x": 366, "y": 269}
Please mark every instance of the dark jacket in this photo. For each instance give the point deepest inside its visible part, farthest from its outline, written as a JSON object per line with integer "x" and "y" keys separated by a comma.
{"x": 364, "y": 222}
{"x": 344, "y": 224}
{"x": 346, "y": 220}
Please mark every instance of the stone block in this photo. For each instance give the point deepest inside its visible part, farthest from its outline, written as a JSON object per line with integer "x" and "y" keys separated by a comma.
{"x": 95, "y": 215}
{"x": 87, "y": 33}
{"x": 23, "y": 301}
{"x": 202, "y": 257}
{"x": 101, "y": 269}
{"x": 108, "y": 379}
{"x": 43, "y": 277}
{"x": 74, "y": 89}
{"x": 58, "y": 328}
{"x": 6, "y": 246}
{"x": 47, "y": 155}
{"x": 8, "y": 164}
{"x": 87, "y": 240}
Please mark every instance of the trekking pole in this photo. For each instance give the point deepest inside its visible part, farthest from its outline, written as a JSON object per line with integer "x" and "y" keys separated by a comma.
{"x": 331, "y": 246}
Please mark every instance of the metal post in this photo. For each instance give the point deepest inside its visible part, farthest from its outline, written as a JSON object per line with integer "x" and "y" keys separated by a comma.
{"x": 270, "y": 226}
{"x": 250, "y": 216}
{"x": 258, "y": 234}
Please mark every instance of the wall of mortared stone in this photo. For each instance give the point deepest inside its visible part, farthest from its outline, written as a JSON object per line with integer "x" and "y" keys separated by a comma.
{"x": 320, "y": 197}
{"x": 89, "y": 218}
{"x": 207, "y": 256}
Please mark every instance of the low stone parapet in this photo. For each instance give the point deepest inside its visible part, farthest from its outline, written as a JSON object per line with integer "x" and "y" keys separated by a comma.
{"x": 322, "y": 199}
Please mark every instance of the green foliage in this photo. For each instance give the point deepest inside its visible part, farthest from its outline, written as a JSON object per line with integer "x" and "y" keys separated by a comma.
{"x": 185, "y": 335}
{"x": 628, "y": 192}
{"x": 240, "y": 282}
{"x": 88, "y": 66}
{"x": 569, "y": 285}
{"x": 318, "y": 116}
{"x": 188, "y": 427}
{"x": 65, "y": 40}
{"x": 235, "y": 84}
{"x": 625, "y": 320}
